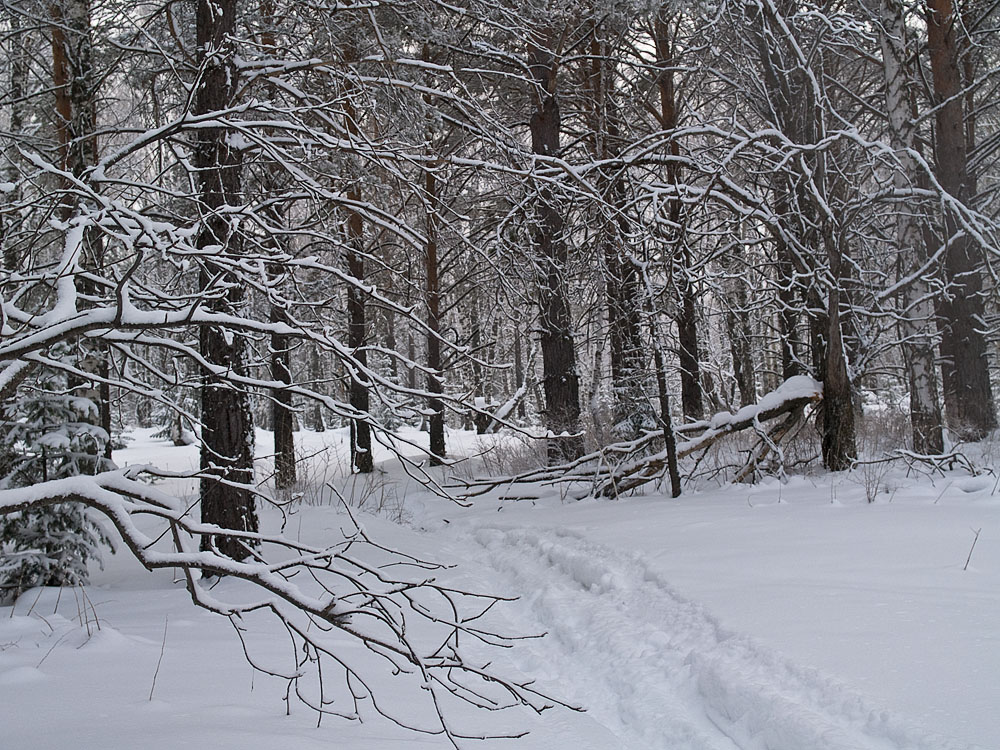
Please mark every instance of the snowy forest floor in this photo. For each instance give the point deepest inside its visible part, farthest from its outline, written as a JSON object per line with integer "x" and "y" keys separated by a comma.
{"x": 792, "y": 616}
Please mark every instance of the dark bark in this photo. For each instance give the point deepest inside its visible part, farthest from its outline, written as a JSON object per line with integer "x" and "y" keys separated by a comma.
{"x": 687, "y": 318}
{"x": 968, "y": 395}
{"x": 666, "y": 422}
{"x": 837, "y": 425}
{"x": 476, "y": 419}
{"x": 227, "y": 421}
{"x": 75, "y": 88}
{"x": 624, "y": 320}
{"x": 687, "y": 338}
{"x": 432, "y": 291}
{"x": 357, "y": 323}
{"x": 739, "y": 349}
{"x": 560, "y": 380}
{"x": 519, "y": 372}
{"x": 790, "y": 105}
{"x": 357, "y": 333}
{"x": 738, "y": 329}
{"x": 282, "y": 410}
{"x": 789, "y": 289}
{"x": 18, "y": 71}
{"x": 787, "y": 313}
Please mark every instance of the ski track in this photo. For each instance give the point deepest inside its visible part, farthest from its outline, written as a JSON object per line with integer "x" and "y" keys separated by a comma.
{"x": 657, "y": 670}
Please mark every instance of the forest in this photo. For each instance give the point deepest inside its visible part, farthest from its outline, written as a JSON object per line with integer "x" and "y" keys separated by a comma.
{"x": 649, "y": 247}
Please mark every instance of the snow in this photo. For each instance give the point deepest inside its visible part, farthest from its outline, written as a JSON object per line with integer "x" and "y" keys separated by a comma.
{"x": 796, "y": 387}
{"x": 781, "y": 616}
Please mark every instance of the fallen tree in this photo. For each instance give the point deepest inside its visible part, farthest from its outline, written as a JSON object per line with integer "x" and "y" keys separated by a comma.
{"x": 625, "y": 466}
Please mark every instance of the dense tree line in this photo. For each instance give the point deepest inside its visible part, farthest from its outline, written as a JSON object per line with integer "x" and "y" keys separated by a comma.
{"x": 592, "y": 221}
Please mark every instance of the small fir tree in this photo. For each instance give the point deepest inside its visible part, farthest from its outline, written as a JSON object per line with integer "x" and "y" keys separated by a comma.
{"x": 50, "y": 434}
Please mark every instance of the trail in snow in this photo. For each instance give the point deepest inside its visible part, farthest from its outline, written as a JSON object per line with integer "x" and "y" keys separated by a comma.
{"x": 661, "y": 673}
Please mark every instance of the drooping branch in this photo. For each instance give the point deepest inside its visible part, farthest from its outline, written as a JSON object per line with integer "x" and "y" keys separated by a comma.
{"x": 355, "y": 590}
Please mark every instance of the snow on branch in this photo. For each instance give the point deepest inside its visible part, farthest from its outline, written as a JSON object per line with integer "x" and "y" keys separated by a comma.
{"x": 411, "y": 626}
{"x": 621, "y": 467}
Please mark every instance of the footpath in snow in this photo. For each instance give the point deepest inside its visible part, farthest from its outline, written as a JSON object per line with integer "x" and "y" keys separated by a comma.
{"x": 660, "y": 672}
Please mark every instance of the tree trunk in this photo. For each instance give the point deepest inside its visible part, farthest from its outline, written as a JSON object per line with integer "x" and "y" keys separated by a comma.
{"x": 687, "y": 337}
{"x": 357, "y": 333}
{"x": 621, "y": 276}
{"x": 787, "y": 287}
{"x": 357, "y": 325}
{"x": 519, "y": 372}
{"x": 317, "y": 422}
{"x": 560, "y": 379}
{"x": 968, "y": 395}
{"x": 432, "y": 290}
{"x": 687, "y": 319}
{"x": 666, "y": 422}
{"x": 837, "y": 429}
{"x": 18, "y": 70}
{"x": 738, "y": 330}
{"x": 75, "y": 90}
{"x": 917, "y": 315}
{"x": 227, "y": 421}
{"x": 282, "y": 413}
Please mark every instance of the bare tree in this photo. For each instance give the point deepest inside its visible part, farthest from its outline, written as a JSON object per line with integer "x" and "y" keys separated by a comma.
{"x": 968, "y": 395}
{"x": 917, "y": 317}
{"x": 560, "y": 378}
{"x": 226, "y": 419}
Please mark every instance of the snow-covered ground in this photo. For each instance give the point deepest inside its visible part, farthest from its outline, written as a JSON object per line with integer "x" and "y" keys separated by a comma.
{"x": 790, "y": 616}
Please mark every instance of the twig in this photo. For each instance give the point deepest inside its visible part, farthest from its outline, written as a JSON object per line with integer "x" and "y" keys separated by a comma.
{"x": 976, "y": 539}
{"x": 946, "y": 487}
{"x": 163, "y": 646}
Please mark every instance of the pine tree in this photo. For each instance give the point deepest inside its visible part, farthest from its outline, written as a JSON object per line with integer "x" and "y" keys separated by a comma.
{"x": 49, "y": 434}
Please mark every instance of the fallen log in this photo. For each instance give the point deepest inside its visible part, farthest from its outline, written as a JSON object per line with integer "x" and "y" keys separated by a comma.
{"x": 621, "y": 467}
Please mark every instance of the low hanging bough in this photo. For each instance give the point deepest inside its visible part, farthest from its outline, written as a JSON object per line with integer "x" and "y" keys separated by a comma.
{"x": 621, "y": 467}
{"x": 411, "y": 627}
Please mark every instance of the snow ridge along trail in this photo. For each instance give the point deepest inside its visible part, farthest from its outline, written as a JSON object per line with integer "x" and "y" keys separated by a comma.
{"x": 660, "y": 672}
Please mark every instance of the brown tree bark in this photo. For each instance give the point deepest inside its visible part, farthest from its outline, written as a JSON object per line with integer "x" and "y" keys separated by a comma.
{"x": 561, "y": 382}
{"x": 968, "y": 395}
{"x": 75, "y": 88}
{"x": 689, "y": 357}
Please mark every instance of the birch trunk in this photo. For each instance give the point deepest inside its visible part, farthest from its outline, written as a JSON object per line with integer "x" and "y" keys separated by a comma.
{"x": 917, "y": 316}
